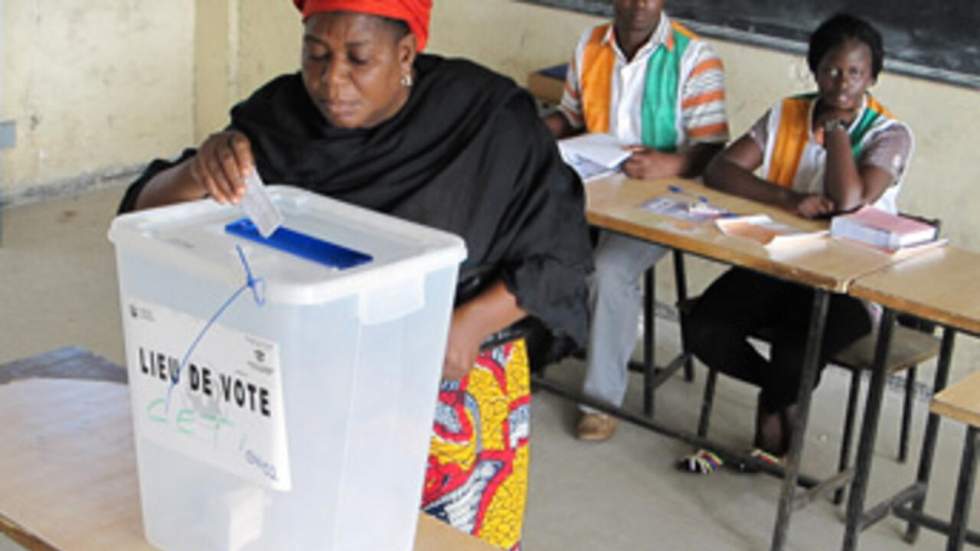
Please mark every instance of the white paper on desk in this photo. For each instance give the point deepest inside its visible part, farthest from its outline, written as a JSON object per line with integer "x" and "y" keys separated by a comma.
{"x": 602, "y": 149}
{"x": 588, "y": 170}
{"x": 766, "y": 231}
{"x": 675, "y": 206}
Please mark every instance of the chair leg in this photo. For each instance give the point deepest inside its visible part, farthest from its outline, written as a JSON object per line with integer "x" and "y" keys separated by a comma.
{"x": 707, "y": 402}
{"x": 680, "y": 282}
{"x": 848, "y": 433}
{"x": 928, "y": 451}
{"x": 903, "y": 440}
{"x": 649, "y": 298}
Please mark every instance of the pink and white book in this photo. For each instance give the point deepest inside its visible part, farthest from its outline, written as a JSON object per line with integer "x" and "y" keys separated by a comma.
{"x": 882, "y": 229}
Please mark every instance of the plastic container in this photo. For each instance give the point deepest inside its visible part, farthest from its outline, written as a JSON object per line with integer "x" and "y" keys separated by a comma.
{"x": 295, "y": 412}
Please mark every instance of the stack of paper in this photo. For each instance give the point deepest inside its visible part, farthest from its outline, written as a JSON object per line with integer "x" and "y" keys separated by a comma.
{"x": 882, "y": 229}
{"x": 593, "y": 155}
{"x": 765, "y": 231}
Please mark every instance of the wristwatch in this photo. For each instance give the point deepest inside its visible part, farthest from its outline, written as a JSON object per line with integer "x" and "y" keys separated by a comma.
{"x": 833, "y": 124}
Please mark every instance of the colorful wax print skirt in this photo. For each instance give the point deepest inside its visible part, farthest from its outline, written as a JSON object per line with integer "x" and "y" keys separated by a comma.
{"x": 478, "y": 460}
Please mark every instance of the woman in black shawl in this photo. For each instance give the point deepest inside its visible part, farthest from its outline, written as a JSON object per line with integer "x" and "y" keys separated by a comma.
{"x": 441, "y": 142}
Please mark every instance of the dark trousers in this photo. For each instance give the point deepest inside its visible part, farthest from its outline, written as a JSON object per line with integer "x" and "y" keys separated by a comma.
{"x": 741, "y": 303}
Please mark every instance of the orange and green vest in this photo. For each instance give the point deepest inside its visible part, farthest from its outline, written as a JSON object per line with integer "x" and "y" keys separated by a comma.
{"x": 794, "y": 131}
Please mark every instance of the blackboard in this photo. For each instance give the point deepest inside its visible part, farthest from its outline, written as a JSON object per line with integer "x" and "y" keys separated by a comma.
{"x": 937, "y": 40}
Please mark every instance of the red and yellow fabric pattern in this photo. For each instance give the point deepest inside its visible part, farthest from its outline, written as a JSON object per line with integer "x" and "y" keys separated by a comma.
{"x": 479, "y": 455}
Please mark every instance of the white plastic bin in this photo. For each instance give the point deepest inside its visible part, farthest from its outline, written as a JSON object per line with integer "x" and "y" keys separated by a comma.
{"x": 301, "y": 422}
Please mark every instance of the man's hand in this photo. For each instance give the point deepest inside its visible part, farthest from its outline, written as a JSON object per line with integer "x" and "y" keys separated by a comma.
{"x": 647, "y": 164}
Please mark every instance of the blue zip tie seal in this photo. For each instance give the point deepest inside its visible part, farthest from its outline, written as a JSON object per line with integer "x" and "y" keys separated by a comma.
{"x": 257, "y": 285}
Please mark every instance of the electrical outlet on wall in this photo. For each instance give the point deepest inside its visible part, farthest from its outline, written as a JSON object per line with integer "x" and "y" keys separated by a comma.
{"x": 8, "y": 134}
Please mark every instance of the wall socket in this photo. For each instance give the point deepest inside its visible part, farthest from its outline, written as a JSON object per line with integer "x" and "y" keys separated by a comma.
{"x": 8, "y": 134}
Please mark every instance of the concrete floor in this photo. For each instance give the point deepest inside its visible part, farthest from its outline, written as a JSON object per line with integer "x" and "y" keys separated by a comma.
{"x": 58, "y": 287}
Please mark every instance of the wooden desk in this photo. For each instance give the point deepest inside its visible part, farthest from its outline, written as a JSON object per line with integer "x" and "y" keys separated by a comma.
{"x": 939, "y": 286}
{"x": 828, "y": 266}
{"x": 617, "y": 204}
{"x": 70, "y": 479}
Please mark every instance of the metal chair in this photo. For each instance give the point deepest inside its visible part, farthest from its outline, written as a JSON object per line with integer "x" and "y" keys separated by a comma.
{"x": 654, "y": 377}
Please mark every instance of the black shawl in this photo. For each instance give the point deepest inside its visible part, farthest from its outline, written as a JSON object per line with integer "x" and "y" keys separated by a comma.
{"x": 467, "y": 154}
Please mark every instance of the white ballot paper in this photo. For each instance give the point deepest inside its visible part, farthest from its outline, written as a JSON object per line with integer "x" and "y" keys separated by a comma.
{"x": 259, "y": 207}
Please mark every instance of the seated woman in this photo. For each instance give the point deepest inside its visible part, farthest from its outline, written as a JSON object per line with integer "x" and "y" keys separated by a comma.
{"x": 445, "y": 143}
{"x": 831, "y": 151}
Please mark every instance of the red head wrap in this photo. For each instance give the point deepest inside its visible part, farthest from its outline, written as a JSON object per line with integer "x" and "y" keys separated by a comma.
{"x": 413, "y": 12}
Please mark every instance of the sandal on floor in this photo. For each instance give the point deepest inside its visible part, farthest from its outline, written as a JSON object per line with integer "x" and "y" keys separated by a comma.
{"x": 762, "y": 456}
{"x": 700, "y": 462}
{"x": 767, "y": 457}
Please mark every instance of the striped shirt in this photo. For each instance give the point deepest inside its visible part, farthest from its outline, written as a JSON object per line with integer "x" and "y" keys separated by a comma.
{"x": 699, "y": 113}
{"x": 794, "y": 158}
